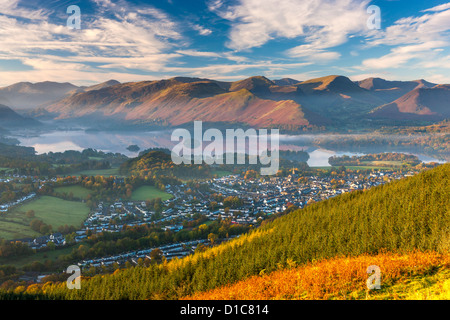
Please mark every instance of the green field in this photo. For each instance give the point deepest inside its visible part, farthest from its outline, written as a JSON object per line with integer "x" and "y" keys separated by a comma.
{"x": 367, "y": 168}
{"x": 16, "y": 229}
{"x": 149, "y": 192}
{"x": 77, "y": 191}
{"x": 392, "y": 163}
{"x": 354, "y": 167}
{"x": 50, "y": 210}
{"x": 221, "y": 173}
{"x": 368, "y": 165}
{"x": 100, "y": 172}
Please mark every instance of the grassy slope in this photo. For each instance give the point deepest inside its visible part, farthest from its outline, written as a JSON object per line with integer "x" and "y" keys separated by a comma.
{"x": 221, "y": 173}
{"x": 51, "y": 210}
{"x": 77, "y": 191}
{"x": 99, "y": 172}
{"x": 15, "y": 228}
{"x": 149, "y": 192}
{"x": 409, "y": 276}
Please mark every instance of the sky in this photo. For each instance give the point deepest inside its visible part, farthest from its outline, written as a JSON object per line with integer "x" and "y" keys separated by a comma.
{"x": 134, "y": 40}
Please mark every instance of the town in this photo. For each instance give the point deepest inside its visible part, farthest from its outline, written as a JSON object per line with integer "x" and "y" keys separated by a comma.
{"x": 243, "y": 201}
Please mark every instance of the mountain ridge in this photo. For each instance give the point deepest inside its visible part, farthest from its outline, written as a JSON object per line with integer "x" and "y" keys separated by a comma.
{"x": 392, "y": 90}
{"x": 256, "y": 101}
{"x": 420, "y": 103}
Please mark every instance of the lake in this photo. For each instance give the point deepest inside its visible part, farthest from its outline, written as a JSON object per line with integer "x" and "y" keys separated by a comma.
{"x": 78, "y": 140}
{"x": 117, "y": 142}
{"x": 319, "y": 157}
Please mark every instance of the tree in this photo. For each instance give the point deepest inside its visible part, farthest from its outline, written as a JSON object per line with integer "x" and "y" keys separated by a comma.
{"x": 45, "y": 228}
{"x": 213, "y": 205}
{"x": 203, "y": 228}
{"x": 232, "y": 202}
{"x": 200, "y": 248}
{"x": 35, "y": 224}
{"x": 156, "y": 255}
{"x": 82, "y": 251}
{"x": 212, "y": 237}
{"x": 51, "y": 245}
{"x": 30, "y": 214}
{"x": 70, "y": 238}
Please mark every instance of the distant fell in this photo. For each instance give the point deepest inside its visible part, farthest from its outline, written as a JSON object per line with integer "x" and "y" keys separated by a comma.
{"x": 391, "y": 90}
{"x": 27, "y": 95}
{"x": 285, "y": 82}
{"x": 11, "y": 119}
{"x": 421, "y": 103}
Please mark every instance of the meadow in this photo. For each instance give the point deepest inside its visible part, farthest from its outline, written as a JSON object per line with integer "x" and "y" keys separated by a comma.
{"x": 221, "y": 173}
{"x": 365, "y": 167}
{"x": 16, "y": 225}
{"x": 148, "y": 193}
{"x": 99, "y": 172}
{"x": 77, "y": 191}
{"x": 51, "y": 210}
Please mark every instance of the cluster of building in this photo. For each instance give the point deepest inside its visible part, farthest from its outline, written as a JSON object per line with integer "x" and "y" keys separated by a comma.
{"x": 168, "y": 251}
{"x": 113, "y": 217}
{"x": 272, "y": 196}
{"x": 5, "y": 207}
{"x": 43, "y": 241}
{"x": 258, "y": 198}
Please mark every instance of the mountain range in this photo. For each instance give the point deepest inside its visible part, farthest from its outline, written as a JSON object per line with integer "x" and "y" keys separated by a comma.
{"x": 256, "y": 101}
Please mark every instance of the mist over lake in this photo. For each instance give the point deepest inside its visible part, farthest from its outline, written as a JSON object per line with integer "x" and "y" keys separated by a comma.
{"x": 117, "y": 142}
{"x": 60, "y": 141}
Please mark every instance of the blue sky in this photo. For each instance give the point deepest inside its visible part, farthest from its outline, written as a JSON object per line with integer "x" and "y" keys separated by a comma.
{"x": 133, "y": 40}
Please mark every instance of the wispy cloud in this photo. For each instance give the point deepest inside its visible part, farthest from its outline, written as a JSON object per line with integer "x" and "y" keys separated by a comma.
{"x": 399, "y": 56}
{"x": 422, "y": 39}
{"x": 11, "y": 8}
{"x": 127, "y": 37}
{"x": 202, "y": 30}
{"x": 315, "y": 25}
{"x": 221, "y": 39}
{"x": 223, "y": 71}
{"x": 442, "y": 7}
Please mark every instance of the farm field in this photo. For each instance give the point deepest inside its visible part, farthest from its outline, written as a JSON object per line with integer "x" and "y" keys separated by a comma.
{"x": 383, "y": 163}
{"x": 221, "y": 173}
{"x": 77, "y": 191}
{"x": 149, "y": 192}
{"x": 100, "y": 172}
{"x": 16, "y": 226}
{"x": 365, "y": 167}
{"x": 50, "y": 210}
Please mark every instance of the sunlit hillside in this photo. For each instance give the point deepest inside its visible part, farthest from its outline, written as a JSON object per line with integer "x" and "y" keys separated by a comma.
{"x": 415, "y": 276}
